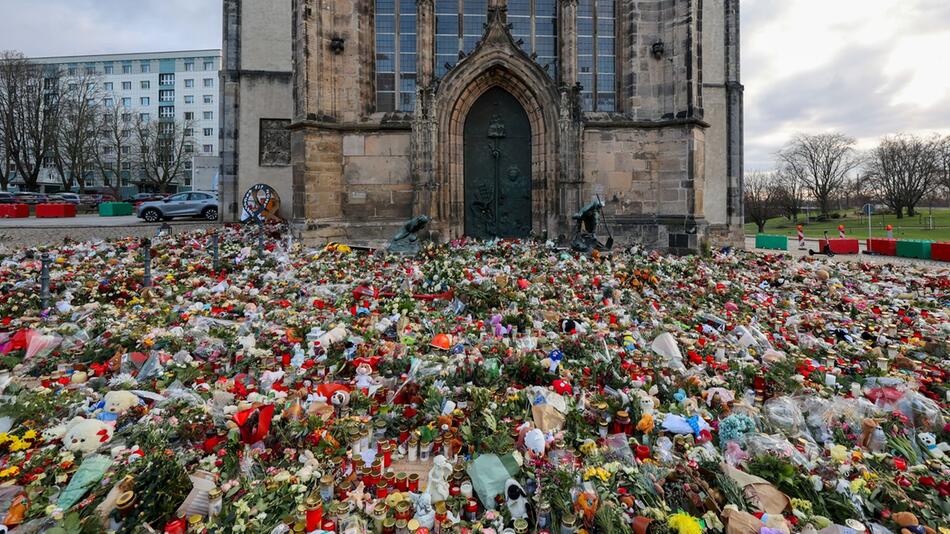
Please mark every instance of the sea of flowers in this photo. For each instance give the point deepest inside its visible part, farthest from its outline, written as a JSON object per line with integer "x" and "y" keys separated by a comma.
{"x": 478, "y": 387}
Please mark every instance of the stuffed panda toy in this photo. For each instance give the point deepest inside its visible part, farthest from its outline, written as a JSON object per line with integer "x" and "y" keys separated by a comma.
{"x": 517, "y": 499}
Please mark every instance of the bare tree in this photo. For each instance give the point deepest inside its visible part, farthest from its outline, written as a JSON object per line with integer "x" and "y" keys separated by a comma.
{"x": 163, "y": 147}
{"x": 112, "y": 150}
{"x": 903, "y": 169}
{"x": 6, "y": 170}
{"x": 80, "y": 104}
{"x": 821, "y": 162}
{"x": 760, "y": 192}
{"x": 31, "y": 96}
{"x": 944, "y": 161}
{"x": 788, "y": 194}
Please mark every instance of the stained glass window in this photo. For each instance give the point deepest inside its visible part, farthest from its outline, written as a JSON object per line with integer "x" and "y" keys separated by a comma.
{"x": 596, "y": 58}
{"x": 395, "y": 55}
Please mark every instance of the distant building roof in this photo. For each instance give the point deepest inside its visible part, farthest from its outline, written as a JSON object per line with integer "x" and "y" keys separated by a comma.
{"x": 135, "y": 56}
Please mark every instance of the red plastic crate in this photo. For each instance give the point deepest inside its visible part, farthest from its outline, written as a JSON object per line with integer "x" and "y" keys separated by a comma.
{"x": 840, "y": 246}
{"x": 14, "y": 211}
{"x": 885, "y": 247}
{"x": 940, "y": 251}
{"x": 52, "y": 211}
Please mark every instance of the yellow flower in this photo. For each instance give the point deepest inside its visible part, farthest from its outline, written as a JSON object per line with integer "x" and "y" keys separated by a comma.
{"x": 857, "y": 485}
{"x": 839, "y": 453}
{"x": 588, "y": 447}
{"x": 19, "y": 445}
{"x": 4, "y": 438}
{"x": 684, "y": 523}
{"x": 29, "y": 434}
{"x": 10, "y": 472}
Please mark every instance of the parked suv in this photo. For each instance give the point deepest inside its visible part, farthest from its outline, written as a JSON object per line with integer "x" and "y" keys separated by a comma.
{"x": 194, "y": 204}
{"x": 142, "y": 198}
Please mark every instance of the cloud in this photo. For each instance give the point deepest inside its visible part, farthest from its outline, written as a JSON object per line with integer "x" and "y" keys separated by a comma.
{"x": 78, "y": 27}
{"x": 866, "y": 69}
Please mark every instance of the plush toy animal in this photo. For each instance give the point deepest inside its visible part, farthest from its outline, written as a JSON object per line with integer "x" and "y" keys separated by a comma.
{"x": 909, "y": 524}
{"x": 86, "y": 435}
{"x": 119, "y": 402}
{"x": 517, "y": 499}
{"x": 934, "y": 449}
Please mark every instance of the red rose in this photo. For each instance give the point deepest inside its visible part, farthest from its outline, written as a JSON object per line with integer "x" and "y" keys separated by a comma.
{"x": 927, "y": 481}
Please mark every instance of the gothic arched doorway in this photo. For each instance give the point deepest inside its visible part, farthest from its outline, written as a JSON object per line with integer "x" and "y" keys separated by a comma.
{"x": 497, "y": 145}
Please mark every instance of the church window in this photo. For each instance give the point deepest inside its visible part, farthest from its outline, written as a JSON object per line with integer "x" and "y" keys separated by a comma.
{"x": 596, "y": 57}
{"x": 534, "y": 23}
{"x": 459, "y": 24}
{"x": 395, "y": 55}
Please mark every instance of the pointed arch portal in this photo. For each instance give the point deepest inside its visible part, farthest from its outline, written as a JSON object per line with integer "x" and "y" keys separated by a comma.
{"x": 496, "y": 71}
{"x": 497, "y": 155}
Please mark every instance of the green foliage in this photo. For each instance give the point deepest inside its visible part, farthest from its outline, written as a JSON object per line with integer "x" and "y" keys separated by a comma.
{"x": 610, "y": 520}
{"x": 796, "y": 484}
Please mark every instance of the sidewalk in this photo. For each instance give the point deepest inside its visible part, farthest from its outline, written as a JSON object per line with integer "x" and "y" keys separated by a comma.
{"x": 871, "y": 258}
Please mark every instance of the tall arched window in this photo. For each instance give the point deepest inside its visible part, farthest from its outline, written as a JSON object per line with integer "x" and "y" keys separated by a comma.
{"x": 395, "y": 55}
{"x": 534, "y": 22}
{"x": 596, "y": 59}
{"x": 459, "y": 25}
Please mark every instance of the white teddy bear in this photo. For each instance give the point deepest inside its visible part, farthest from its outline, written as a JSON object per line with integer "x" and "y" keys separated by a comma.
{"x": 119, "y": 402}
{"x": 934, "y": 449}
{"x": 86, "y": 435}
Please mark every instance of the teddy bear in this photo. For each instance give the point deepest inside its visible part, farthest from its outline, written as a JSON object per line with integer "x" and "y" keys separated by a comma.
{"x": 365, "y": 380}
{"x": 517, "y": 499}
{"x": 86, "y": 435}
{"x": 119, "y": 402}
{"x": 934, "y": 449}
{"x": 910, "y": 524}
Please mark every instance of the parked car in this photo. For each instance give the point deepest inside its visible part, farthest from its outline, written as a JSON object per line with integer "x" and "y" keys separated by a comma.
{"x": 88, "y": 200}
{"x": 69, "y": 198}
{"x": 7, "y": 197}
{"x": 140, "y": 198}
{"x": 27, "y": 197}
{"x": 204, "y": 205}
{"x": 55, "y": 198}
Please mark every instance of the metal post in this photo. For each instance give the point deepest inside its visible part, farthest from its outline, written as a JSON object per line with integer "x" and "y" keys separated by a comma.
{"x": 44, "y": 281}
{"x": 214, "y": 251}
{"x": 147, "y": 250}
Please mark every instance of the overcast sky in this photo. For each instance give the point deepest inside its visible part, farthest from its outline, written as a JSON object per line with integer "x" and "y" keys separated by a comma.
{"x": 862, "y": 67}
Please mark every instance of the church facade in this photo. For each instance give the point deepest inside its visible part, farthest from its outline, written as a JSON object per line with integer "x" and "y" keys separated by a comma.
{"x": 501, "y": 118}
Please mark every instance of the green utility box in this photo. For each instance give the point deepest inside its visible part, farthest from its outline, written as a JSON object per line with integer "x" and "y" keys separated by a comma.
{"x": 914, "y": 248}
{"x": 115, "y": 209}
{"x": 773, "y": 242}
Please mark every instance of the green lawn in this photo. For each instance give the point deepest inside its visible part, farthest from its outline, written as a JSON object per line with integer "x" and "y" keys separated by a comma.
{"x": 856, "y": 225}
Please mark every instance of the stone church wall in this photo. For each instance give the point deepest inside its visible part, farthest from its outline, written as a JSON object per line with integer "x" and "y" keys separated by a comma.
{"x": 646, "y": 178}
{"x": 376, "y": 176}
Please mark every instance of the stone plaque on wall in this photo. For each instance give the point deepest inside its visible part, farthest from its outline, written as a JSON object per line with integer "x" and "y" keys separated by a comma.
{"x": 275, "y": 142}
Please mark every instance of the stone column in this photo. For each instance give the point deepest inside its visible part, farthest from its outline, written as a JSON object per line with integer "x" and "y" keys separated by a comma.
{"x": 425, "y": 42}
{"x": 423, "y": 120}
{"x": 230, "y": 111}
{"x": 735, "y": 124}
{"x": 567, "y": 41}
{"x": 570, "y": 132}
